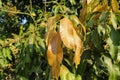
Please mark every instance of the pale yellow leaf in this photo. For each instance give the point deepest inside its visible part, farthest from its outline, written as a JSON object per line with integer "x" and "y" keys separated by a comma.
{"x": 67, "y": 33}
{"x": 70, "y": 38}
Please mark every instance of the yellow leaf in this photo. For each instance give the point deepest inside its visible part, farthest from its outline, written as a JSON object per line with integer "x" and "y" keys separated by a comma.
{"x": 51, "y": 27}
{"x": 79, "y": 27}
{"x": 100, "y": 8}
{"x": 55, "y": 54}
{"x": 115, "y": 5}
{"x": 70, "y": 38}
{"x": 67, "y": 33}
{"x": 78, "y": 51}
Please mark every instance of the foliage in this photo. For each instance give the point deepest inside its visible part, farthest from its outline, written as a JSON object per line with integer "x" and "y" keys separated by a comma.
{"x": 59, "y": 39}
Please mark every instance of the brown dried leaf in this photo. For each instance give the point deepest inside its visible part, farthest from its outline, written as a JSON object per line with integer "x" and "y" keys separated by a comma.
{"x": 55, "y": 54}
{"x": 70, "y": 38}
{"x": 100, "y": 8}
{"x": 51, "y": 27}
{"x": 78, "y": 51}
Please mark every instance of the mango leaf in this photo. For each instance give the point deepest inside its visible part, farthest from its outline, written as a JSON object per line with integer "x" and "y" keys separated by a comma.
{"x": 72, "y": 2}
{"x": 100, "y": 8}
{"x": 113, "y": 49}
{"x": 113, "y": 20}
{"x": 114, "y": 72}
{"x": 92, "y": 4}
{"x": 114, "y": 35}
{"x": 115, "y": 5}
{"x": 70, "y": 38}
{"x": 55, "y": 54}
{"x": 96, "y": 40}
{"x": 51, "y": 27}
{"x": 0, "y": 3}
{"x": 83, "y": 11}
{"x": 79, "y": 27}
{"x": 65, "y": 74}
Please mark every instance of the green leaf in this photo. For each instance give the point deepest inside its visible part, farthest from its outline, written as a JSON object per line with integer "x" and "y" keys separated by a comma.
{"x": 96, "y": 40}
{"x": 113, "y": 50}
{"x": 72, "y": 2}
{"x": 115, "y": 36}
{"x": 0, "y": 4}
{"x": 78, "y": 77}
{"x": 113, "y": 69}
{"x": 65, "y": 74}
{"x": 8, "y": 54}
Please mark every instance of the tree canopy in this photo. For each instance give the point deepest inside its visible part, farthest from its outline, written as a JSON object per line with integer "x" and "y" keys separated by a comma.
{"x": 59, "y": 39}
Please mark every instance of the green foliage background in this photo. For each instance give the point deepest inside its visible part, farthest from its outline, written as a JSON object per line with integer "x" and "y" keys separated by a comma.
{"x": 22, "y": 41}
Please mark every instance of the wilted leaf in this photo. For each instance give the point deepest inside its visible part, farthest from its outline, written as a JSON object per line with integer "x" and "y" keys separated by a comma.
{"x": 79, "y": 27}
{"x": 115, "y": 5}
{"x": 83, "y": 11}
{"x": 67, "y": 33}
{"x": 100, "y": 8}
{"x": 51, "y": 27}
{"x": 55, "y": 54}
{"x": 70, "y": 38}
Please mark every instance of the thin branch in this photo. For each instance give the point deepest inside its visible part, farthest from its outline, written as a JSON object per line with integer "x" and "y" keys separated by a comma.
{"x": 31, "y": 5}
{"x": 15, "y": 12}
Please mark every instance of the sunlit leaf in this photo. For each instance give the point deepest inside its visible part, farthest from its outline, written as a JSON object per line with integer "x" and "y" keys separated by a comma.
{"x": 55, "y": 54}
{"x": 113, "y": 69}
{"x": 65, "y": 74}
{"x": 79, "y": 27}
{"x": 115, "y": 5}
{"x": 70, "y": 38}
{"x": 67, "y": 33}
{"x": 72, "y": 2}
{"x": 100, "y": 8}
{"x": 113, "y": 20}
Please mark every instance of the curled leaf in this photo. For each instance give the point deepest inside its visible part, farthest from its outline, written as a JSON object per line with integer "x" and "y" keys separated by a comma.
{"x": 70, "y": 38}
{"x": 55, "y": 54}
{"x": 115, "y": 5}
{"x": 51, "y": 27}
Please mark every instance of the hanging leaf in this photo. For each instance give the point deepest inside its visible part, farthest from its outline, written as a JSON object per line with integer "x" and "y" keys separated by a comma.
{"x": 70, "y": 38}
{"x": 65, "y": 74}
{"x": 115, "y": 5}
{"x": 55, "y": 54}
{"x": 51, "y": 27}
{"x": 67, "y": 33}
{"x": 79, "y": 27}
{"x": 100, "y": 8}
{"x": 72, "y": 2}
{"x": 113, "y": 20}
